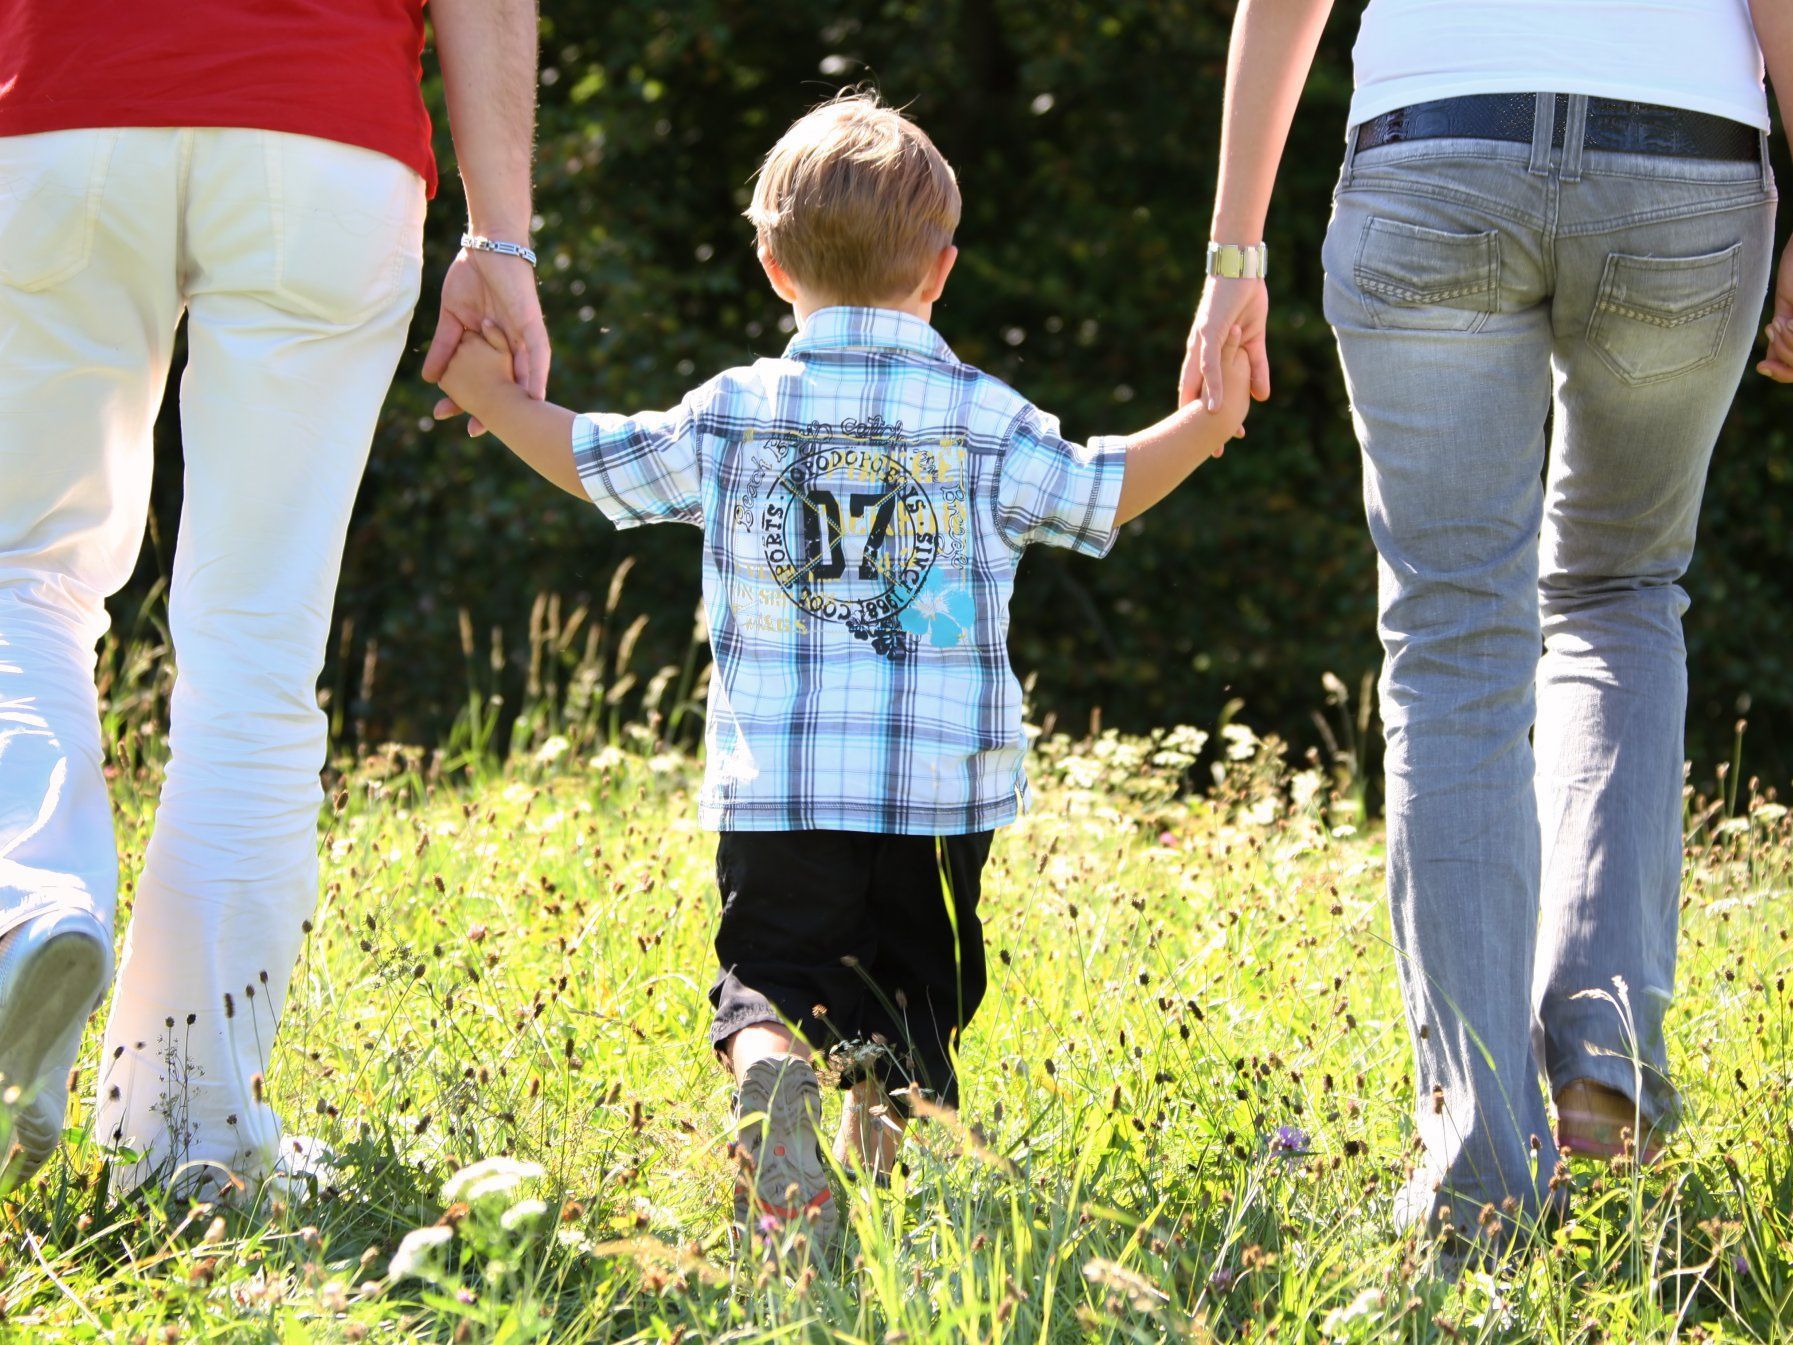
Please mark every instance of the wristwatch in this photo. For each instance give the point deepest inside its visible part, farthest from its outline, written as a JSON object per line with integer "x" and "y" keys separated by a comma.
{"x": 1236, "y": 261}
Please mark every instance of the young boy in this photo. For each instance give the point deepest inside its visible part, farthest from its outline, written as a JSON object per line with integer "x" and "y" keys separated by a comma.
{"x": 865, "y": 499}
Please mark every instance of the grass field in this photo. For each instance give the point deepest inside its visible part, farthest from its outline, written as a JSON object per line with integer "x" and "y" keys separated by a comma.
{"x": 1186, "y": 1110}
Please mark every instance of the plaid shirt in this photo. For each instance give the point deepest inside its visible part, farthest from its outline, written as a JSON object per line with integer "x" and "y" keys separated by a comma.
{"x": 864, "y": 499}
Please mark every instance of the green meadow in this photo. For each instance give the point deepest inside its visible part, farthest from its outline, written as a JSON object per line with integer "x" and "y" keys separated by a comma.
{"x": 1186, "y": 1113}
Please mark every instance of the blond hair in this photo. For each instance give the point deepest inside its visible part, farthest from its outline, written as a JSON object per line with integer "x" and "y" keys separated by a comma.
{"x": 855, "y": 202}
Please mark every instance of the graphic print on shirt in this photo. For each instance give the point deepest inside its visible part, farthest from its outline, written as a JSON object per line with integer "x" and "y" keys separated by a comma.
{"x": 860, "y": 526}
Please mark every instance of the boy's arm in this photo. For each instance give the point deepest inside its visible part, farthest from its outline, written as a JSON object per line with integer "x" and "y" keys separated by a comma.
{"x": 1159, "y": 458}
{"x": 478, "y": 379}
{"x": 540, "y": 433}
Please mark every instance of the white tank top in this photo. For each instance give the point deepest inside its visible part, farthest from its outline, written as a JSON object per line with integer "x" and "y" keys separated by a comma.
{"x": 1696, "y": 54}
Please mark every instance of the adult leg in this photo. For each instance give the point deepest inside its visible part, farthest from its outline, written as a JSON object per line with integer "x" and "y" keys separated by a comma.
{"x": 1445, "y": 347}
{"x": 303, "y": 264}
{"x": 1654, "y": 323}
{"x": 88, "y": 308}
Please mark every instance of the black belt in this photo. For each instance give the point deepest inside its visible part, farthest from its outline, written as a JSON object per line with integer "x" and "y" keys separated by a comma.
{"x": 1613, "y": 124}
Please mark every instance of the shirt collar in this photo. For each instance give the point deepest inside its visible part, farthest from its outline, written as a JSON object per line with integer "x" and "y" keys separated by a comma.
{"x": 868, "y": 329}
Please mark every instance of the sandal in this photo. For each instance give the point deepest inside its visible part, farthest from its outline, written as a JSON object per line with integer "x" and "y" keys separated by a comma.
{"x": 1594, "y": 1121}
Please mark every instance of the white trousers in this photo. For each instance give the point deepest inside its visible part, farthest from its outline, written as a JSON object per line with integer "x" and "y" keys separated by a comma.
{"x": 297, "y": 261}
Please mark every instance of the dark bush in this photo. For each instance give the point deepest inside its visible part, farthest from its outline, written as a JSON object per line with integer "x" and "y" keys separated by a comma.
{"x": 1085, "y": 136}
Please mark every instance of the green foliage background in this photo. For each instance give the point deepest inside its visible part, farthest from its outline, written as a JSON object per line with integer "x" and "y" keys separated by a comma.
{"x": 1085, "y": 137}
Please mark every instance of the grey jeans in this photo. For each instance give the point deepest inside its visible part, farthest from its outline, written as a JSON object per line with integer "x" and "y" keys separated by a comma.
{"x": 1534, "y": 685}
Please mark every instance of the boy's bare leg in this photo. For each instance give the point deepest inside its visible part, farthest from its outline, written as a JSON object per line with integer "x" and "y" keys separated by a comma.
{"x": 871, "y": 1131}
{"x": 757, "y": 1041}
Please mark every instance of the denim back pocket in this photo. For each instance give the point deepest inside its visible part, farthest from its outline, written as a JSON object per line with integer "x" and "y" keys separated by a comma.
{"x": 1420, "y": 279}
{"x": 1661, "y": 317}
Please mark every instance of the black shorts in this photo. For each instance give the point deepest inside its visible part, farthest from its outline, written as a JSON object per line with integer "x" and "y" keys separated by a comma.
{"x": 869, "y": 945}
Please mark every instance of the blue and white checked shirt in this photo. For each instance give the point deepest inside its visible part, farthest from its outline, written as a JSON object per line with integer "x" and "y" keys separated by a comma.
{"x": 865, "y": 499}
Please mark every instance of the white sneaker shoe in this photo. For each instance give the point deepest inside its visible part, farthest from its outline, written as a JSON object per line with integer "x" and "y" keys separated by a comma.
{"x": 54, "y": 971}
{"x": 305, "y": 1170}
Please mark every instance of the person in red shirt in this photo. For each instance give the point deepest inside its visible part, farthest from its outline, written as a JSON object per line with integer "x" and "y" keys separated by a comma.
{"x": 261, "y": 169}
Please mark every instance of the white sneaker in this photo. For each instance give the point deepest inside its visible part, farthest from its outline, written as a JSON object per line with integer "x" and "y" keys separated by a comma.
{"x": 781, "y": 1180}
{"x": 305, "y": 1170}
{"x": 54, "y": 970}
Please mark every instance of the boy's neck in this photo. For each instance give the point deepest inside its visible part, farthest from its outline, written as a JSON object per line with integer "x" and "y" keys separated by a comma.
{"x": 805, "y": 304}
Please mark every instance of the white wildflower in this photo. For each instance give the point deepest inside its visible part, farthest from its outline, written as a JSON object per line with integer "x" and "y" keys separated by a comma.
{"x": 524, "y": 1214}
{"x": 1366, "y": 1306}
{"x": 1304, "y": 789}
{"x": 489, "y": 1177}
{"x": 416, "y": 1255}
{"x": 1241, "y": 742}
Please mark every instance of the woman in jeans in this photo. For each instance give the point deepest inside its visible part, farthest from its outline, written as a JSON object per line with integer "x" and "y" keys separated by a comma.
{"x": 1553, "y": 215}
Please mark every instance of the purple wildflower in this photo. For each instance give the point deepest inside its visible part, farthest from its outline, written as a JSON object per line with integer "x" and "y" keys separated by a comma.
{"x": 1289, "y": 1141}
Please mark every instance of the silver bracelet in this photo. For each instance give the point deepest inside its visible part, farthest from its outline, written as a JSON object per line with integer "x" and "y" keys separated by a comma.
{"x": 480, "y": 243}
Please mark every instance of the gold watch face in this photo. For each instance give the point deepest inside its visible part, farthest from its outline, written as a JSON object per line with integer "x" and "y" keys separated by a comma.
{"x": 1231, "y": 261}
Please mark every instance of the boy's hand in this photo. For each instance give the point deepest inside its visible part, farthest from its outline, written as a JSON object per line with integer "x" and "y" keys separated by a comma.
{"x": 1235, "y": 384}
{"x": 478, "y": 373}
{"x": 1160, "y": 457}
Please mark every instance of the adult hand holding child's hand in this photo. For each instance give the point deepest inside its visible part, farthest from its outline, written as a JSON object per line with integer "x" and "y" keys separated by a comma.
{"x": 482, "y": 289}
{"x": 1232, "y": 315}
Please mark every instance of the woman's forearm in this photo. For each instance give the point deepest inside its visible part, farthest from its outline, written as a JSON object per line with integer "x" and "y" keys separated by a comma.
{"x": 1267, "y": 62}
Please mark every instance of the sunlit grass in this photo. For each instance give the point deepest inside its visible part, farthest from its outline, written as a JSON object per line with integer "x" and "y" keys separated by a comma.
{"x": 1186, "y": 1095}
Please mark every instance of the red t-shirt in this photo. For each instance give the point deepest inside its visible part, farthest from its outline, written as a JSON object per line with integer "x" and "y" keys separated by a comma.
{"x": 345, "y": 70}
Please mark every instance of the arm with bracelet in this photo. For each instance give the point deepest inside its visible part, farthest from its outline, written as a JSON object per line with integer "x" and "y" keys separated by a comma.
{"x": 488, "y": 54}
{"x": 1272, "y": 47}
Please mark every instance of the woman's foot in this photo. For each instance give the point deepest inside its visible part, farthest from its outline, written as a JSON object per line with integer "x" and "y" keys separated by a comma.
{"x": 1594, "y": 1121}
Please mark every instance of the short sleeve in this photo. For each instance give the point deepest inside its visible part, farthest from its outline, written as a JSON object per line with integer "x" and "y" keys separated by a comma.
{"x": 642, "y": 468}
{"x": 1057, "y": 492}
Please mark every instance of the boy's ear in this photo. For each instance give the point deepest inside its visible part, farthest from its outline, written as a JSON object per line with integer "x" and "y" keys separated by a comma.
{"x": 779, "y": 278}
{"x": 941, "y": 268}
